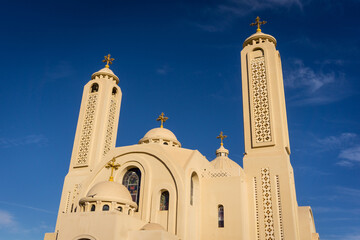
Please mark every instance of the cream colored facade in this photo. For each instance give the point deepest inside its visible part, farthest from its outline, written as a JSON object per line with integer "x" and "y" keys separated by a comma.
{"x": 164, "y": 191}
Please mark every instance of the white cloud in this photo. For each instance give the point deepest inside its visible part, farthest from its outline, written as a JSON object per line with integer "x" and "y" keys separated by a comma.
{"x": 37, "y": 139}
{"x": 337, "y": 141}
{"x": 6, "y": 219}
{"x": 163, "y": 70}
{"x": 351, "y": 154}
{"x": 311, "y": 86}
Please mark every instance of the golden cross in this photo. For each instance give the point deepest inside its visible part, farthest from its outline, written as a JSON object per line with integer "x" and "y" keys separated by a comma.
{"x": 258, "y": 23}
{"x": 222, "y": 137}
{"x": 162, "y": 119}
{"x": 108, "y": 60}
{"x": 111, "y": 164}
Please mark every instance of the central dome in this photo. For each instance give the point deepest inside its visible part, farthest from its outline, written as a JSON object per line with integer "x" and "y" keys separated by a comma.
{"x": 109, "y": 191}
{"x": 160, "y": 135}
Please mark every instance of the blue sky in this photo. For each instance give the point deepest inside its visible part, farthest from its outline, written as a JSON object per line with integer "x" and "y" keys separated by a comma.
{"x": 181, "y": 58}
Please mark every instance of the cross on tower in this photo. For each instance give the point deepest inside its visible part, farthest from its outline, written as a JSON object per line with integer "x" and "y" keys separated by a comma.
{"x": 258, "y": 23}
{"x": 108, "y": 60}
{"x": 111, "y": 164}
{"x": 222, "y": 137}
{"x": 162, "y": 119}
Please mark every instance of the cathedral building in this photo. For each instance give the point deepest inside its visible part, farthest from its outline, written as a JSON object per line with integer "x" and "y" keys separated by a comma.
{"x": 157, "y": 190}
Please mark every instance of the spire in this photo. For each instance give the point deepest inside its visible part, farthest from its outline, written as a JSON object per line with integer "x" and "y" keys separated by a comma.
{"x": 111, "y": 164}
{"x": 106, "y": 71}
{"x": 222, "y": 137}
{"x": 162, "y": 119}
{"x": 257, "y": 23}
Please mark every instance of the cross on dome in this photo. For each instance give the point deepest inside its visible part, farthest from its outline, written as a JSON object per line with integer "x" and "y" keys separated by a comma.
{"x": 222, "y": 137}
{"x": 258, "y": 23}
{"x": 162, "y": 119}
{"x": 111, "y": 164}
{"x": 108, "y": 60}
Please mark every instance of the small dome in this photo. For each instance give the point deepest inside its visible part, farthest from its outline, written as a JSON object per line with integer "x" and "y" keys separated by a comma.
{"x": 109, "y": 191}
{"x": 160, "y": 135}
{"x": 222, "y": 161}
{"x": 152, "y": 226}
{"x": 107, "y": 72}
{"x": 258, "y": 35}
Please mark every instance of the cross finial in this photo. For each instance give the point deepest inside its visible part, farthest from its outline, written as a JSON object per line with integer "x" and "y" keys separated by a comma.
{"x": 108, "y": 60}
{"x": 111, "y": 164}
{"x": 162, "y": 119}
{"x": 222, "y": 137}
{"x": 258, "y": 23}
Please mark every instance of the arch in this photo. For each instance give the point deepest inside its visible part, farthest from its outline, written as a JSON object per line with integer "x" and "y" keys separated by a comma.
{"x": 114, "y": 91}
{"x": 132, "y": 181}
{"x": 94, "y": 88}
{"x": 164, "y": 200}
{"x": 93, "y": 208}
{"x": 84, "y": 237}
{"x": 258, "y": 52}
{"x": 220, "y": 216}
{"x": 119, "y": 208}
{"x": 194, "y": 188}
{"x": 106, "y": 207}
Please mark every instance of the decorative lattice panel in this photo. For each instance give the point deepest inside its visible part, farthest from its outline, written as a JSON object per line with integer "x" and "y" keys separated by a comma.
{"x": 256, "y": 210}
{"x": 267, "y": 204}
{"x": 260, "y": 101}
{"x": 110, "y": 126}
{"x": 279, "y": 207}
{"x": 87, "y": 130}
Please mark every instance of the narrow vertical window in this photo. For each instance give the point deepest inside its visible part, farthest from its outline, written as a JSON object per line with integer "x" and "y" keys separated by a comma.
{"x": 164, "y": 201}
{"x": 131, "y": 181}
{"x": 94, "y": 87}
{"x": 114, "y": 91}
{"x": 191, "y": 191}
{"x": 220, "y": 216}
{"x": 93, "y": 208}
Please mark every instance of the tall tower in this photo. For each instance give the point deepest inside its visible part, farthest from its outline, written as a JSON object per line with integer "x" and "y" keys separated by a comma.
{"x": 95, "y": 133}
{"x": 266, "y": 162}
{"x": 98, "y": 119}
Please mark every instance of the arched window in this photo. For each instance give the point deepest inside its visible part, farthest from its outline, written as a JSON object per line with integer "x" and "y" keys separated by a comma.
{"x": 164, "y": 201}
{"x": 119, "y": 208}
{"x": 131, "y": 181}
{"x": 191, "y": 191}
{"x": 194, "y": 189}
{"x": 106, "y": 207}
{"x": 221, "y": 216}
{"x": 114, "y": 91}
{"x": 93, "y": 208}
{"x": 94, "y": 87}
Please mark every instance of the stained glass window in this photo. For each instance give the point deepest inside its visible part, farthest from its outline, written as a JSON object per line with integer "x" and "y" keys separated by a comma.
{"x": 131, "y": 181}
{"x": 164, "y": 201}
{"x": 221, "y": 216}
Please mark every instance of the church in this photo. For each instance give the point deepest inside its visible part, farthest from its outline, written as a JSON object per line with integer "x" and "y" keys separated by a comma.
{"x": 157, "y": 190}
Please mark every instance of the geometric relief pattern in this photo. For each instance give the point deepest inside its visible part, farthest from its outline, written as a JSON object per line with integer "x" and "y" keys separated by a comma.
{"x": 268, "y": 211}
{"x": 279, "y": 207}
{"x": 110, "y": 126}
{"x": 87, "y": 130}
{"x": 256, "y": 210}
{"x": 260, "y": 101}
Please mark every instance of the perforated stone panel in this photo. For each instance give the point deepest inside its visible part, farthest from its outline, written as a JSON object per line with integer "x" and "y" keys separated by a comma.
{"x": 110, "y": 126}
{"x": 260, "y": 101}
{"x": 256, "y": 210}
{"x": 267, "y": 204}
{"x": 87, "y": 130}
{"x": 279, "y": 207}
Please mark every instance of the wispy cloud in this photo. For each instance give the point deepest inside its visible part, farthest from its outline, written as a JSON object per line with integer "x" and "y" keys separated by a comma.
{"x": 6, "y": 219}
{"x": 223, "y": 14}
{"x": 27, "y": 207}
{"x": 37, "y": 139}
{"x": 321, "y": 86}
{"x": 335, "y": 142}
{"x": 350, "y": 156}
{"x": 163, "y": 70}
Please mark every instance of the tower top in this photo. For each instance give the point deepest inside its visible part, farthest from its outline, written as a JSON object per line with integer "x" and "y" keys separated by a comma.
{"x": 257, "y": 23}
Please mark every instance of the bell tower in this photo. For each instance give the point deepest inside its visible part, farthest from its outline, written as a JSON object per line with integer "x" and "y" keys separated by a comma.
{"x": 272, "y": 197}
{"x": 98, "y": 119}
